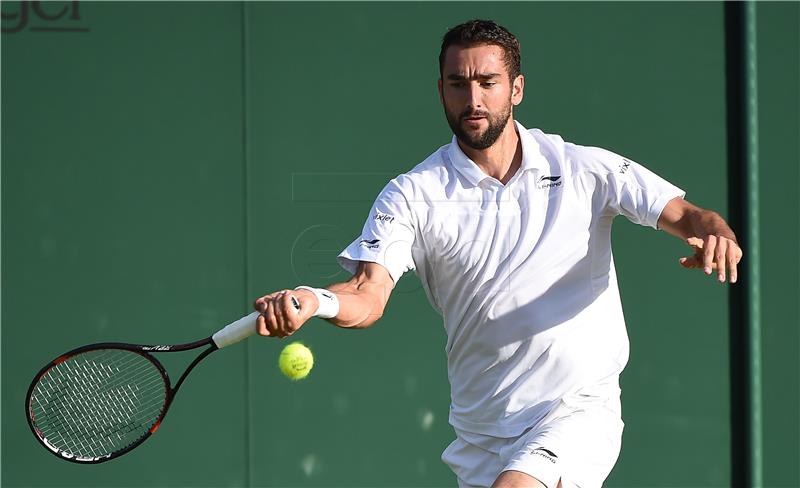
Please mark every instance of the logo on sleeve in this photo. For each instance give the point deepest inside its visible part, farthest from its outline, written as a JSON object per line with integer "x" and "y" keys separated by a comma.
{"x": 382, "y": 217}
{"x": 545, "y": 453}
{"x": 373, "y": 244}
{"x": 623, "y": 167}
{"x": 548, "y": 182}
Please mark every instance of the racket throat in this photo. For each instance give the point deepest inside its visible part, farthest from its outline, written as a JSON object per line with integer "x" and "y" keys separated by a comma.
{"x": 191, "y": 366}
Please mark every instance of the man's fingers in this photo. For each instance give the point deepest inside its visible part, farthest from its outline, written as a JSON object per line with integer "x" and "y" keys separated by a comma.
{"x": 260, "y": 305}
{"x": 289, "y": 313}
{"x": 694, "y": 261}
{"x": 261, "y": 326}
{"x": 734, "y": 256}
{"x": 690, "y": 262}
{"x": 714, "y": 253}
{"x": 720, "y": 259}
{"x": 695, "y": 242}
{"x": 709, "y": 248}
{"x": 284, "y": 320}
{"x": 272, "y": 320}
{"x": 718, "y": 253}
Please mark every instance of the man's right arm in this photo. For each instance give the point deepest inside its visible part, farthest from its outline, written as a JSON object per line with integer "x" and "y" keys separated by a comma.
{"x": 362, "y": 300}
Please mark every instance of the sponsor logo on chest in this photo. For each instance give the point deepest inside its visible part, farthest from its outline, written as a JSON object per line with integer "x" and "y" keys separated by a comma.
{"x": 548, "y": 182}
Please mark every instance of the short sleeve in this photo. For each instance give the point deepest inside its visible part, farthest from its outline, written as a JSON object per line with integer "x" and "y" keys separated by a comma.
{"x": 632, "y": 190}
{"x": 387, "y": 236}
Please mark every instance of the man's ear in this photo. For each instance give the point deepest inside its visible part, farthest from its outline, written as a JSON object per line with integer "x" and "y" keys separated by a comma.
{"x": 517, "y": 90}
{"x": 441, "y": 95}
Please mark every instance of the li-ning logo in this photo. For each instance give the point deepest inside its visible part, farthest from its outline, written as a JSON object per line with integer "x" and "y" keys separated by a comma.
{"x": 624, "y": 166}
{"x": 381, "y": 217}
{"x": 548, "y": 182}
{"x": 545, "y": 453}
{"x": 44, "y": 17}
{"x": 373, "y": 244}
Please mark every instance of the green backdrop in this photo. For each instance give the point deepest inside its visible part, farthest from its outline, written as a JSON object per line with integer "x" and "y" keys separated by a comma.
{"x": 163, "y": 164}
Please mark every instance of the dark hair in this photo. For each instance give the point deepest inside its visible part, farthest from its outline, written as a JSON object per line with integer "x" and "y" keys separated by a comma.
{"x": 480, "y": 32}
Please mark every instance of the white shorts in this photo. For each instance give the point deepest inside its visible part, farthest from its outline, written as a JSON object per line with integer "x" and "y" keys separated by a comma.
{"x": 577, "y": 443}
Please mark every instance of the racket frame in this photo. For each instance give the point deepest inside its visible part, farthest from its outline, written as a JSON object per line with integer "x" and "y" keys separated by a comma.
{"x": 144, "y": 350}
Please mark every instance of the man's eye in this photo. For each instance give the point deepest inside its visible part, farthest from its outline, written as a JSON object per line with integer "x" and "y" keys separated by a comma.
{"x": 489, "y": 84}
{"x": 458, "y": 84}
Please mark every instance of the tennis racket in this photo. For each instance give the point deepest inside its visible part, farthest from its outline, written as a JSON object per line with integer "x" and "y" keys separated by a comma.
{"x": 100, "y": 401}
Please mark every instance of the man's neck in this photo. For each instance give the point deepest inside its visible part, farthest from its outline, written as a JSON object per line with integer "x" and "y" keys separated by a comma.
{"x": 500, "y": 160}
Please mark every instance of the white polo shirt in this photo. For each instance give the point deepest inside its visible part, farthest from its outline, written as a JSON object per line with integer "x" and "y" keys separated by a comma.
{"x": 521, "y": 273}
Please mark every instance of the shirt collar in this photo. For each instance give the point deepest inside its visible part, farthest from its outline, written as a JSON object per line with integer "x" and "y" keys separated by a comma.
{"x": 532, "y": 157}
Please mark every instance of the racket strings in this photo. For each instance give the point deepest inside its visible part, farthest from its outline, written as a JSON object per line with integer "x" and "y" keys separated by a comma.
{"x": 113, "y": 410}
{"x": 98, "y": 402}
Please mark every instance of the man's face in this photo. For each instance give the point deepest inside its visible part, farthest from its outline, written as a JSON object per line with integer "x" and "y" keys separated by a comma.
{"x": 477, "y": 93}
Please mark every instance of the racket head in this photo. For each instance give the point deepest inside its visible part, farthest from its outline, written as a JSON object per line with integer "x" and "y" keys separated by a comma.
{"x": 97, "y": 402}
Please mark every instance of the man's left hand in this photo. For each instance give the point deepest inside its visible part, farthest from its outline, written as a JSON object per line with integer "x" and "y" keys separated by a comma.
{"x": 714, "y": 253}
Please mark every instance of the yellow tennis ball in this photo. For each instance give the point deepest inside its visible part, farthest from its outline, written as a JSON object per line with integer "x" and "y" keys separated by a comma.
{"x": 296, "y": 361}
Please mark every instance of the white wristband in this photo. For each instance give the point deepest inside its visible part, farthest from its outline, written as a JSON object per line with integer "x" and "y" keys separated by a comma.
{"x": 328, "y": 302}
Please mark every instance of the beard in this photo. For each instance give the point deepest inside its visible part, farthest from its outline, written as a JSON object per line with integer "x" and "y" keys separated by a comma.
{"x": 497, "y": 123}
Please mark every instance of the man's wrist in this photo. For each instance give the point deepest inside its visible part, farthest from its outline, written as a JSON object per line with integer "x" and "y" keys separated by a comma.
{"x": 328, "y": 302}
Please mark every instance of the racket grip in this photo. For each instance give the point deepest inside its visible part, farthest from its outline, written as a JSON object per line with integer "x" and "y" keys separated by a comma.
{"x": 236, "y": 331}
{"x": 241, "y": 329}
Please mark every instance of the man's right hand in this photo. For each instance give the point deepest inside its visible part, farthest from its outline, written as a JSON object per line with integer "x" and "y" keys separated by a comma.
{"x": 279, "y": 316}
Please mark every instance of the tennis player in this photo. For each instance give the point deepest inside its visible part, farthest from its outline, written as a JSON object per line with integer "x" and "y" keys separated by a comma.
{"x": 509, "y": 232}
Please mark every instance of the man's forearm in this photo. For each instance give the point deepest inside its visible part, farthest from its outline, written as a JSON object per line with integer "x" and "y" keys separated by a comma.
{"x": 360, "y": 304}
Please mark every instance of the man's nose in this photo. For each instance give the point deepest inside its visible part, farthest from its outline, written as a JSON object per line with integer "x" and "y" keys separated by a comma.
{"x": 475, "y": 96}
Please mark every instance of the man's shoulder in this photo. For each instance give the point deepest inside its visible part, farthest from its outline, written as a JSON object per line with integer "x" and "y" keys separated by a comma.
{"x": 431, "y": 171}
{"x": 431, "y": 166}
{"x": 416, "y": 184}
{"x": 576, "y": 158}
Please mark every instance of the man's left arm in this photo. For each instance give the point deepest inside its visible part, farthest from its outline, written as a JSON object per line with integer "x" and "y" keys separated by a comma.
{"x": 713, "y": 241}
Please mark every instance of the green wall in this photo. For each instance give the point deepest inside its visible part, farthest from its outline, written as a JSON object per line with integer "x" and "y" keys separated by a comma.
{"x": 122, "y": 220}
{"x": 172, "y": 161}
{"x": 779, "y": 141}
